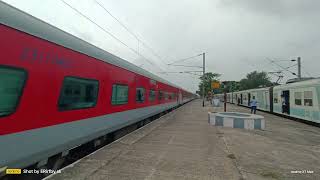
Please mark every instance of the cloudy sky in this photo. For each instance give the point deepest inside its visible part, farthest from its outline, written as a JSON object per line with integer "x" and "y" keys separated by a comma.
{"x": 238, "y": 36}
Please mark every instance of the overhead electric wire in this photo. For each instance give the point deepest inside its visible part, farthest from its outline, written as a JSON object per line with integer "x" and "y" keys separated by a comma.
{"x": 127, "y": 29}
{"x": 306, "y": 71}
{"x": 281, "y": 66}
{"x": 169, "y": 72}
{"x": 291, "y": 66}
{"x": 280, "y": 72}
{"x": 193, "y": 74}
{"x": 109, "y": 33}
{"x": 179, "y": 71}
{"x": 184, "y": 59}
{"x": 276, "y": 71}
{"x": 186, "y": 66}
{"x": 295, "y": 65}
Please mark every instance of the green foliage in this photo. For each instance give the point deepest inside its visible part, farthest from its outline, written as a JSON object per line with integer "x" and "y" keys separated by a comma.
{"x": 230, "y": 86}
{"x": 207, "y": 78}
{"x": 255, "y": 80}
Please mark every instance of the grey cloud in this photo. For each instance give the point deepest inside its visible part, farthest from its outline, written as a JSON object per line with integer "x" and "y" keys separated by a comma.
{"x": 237, "y": 34}
{"x": 284, "y": 8}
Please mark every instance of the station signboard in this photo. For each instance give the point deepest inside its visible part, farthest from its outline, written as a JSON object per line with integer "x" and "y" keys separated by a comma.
{"x": 215, "y": 85}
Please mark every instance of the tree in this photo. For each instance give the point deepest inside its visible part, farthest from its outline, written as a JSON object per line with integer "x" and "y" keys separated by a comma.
{"x": 255, "y": 80}
{"x": 230, "y": 86}
{"x": 206, "y": 79}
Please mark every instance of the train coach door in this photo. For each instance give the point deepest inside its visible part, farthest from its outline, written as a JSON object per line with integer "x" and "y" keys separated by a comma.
{"x": 237, "y": 100}
{"x": 266, "y": 100}
{"x": 249, "y": 99}
{"x": 285, "y": 102}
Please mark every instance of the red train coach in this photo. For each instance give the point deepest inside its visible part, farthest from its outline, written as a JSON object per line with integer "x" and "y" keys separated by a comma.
{"x": 58, "y": 92}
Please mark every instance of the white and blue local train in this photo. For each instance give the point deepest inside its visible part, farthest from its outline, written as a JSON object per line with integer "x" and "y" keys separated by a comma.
{"x": 299, "y": 100}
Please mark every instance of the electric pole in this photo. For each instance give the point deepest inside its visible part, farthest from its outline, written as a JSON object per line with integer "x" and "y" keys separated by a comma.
{"x": 203, "y": 89}
{"x": 203, "y": 70}
{"x": 299, "y": 68}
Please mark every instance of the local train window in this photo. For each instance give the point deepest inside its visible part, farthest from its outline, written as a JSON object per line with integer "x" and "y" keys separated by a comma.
{"x": 78, "y": 93}
{"x": 152, "y": 95}
{"x": 140, "y": 95}
{"x": 119, "y": 94}
{"x": 298, "y": 98}
{"x": 308, "y": 98}
{"x": 11, "y": 85}
{"x": 275, "y": 98}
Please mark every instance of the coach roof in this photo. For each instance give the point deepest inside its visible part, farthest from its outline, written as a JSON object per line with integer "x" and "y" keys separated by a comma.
{"x": 306, "y": 83}
{"x": 22, "y": 21}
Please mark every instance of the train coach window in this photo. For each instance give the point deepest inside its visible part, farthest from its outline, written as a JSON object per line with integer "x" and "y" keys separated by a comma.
{"x": 298, "y": 98}
{"x": 152, "y": 95}
{"x": 78, "y": 93}
{"x": 119, "y": 94}
{"x": 11, "y": 85}
{"x": 140, "y": 95}
{"x": 308, "y": 98}
{"x": 166, "y": 96}
{"x": 160, "y": 97}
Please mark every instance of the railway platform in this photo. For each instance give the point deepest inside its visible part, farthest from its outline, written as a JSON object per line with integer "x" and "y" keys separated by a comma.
{"x": 182, "y": 145}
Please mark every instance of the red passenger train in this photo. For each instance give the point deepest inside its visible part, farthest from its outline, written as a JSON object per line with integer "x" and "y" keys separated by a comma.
{"x": 58, "y": 92}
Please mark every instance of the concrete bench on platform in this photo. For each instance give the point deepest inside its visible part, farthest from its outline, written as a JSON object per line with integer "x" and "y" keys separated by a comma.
{"x": 237, "y": 120}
